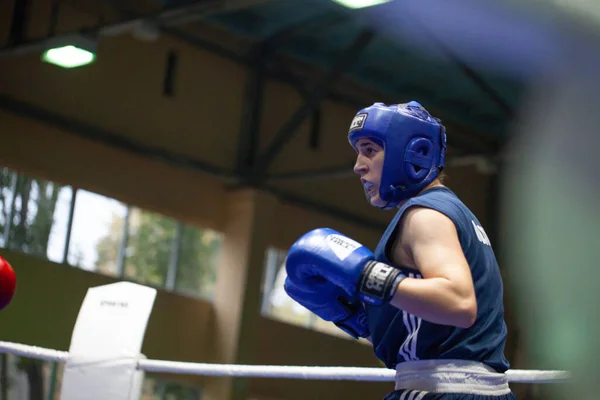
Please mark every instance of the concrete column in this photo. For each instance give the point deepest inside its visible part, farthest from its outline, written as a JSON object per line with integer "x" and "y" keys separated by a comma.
{"x": 238, "y": 298}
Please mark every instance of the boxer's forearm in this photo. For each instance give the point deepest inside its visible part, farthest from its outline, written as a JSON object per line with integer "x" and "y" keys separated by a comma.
{"x": 435, "y": 300}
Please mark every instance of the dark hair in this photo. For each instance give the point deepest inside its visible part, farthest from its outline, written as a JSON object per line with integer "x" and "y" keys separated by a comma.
{"x": 442, "y": 176}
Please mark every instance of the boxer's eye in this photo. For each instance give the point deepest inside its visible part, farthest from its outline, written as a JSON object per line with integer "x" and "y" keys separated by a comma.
{"x": 369, "y": 151}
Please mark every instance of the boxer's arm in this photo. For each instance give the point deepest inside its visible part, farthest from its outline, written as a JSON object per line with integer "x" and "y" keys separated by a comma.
{"x": 446, "y": 294}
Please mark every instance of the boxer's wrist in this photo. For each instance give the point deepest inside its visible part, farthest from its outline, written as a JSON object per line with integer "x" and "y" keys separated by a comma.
{"x": 378, "y": 282}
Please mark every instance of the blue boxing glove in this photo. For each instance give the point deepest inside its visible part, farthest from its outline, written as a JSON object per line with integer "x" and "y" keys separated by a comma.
{"x": 327, "y": 255}
{"x": 330, "y": 303}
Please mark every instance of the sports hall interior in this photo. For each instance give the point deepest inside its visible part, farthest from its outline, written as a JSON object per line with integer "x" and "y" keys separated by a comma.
{"x": 201, "y": 142}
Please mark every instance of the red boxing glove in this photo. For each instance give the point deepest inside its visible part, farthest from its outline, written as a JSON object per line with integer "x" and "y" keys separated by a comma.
{"x": 8, "y": 283}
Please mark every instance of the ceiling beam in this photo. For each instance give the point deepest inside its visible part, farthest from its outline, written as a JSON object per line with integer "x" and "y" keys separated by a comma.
{"x": 473, "y": 76}
{"x": 462, "y": 135}
{"x": 320, "y": 91}
{"x": 192, "y": 12}
{"x": 106, "y": 137}
{"x": 19, "y": 22}
{"x": 323, "y": 21}
{"x": 251, "y": 115}
{"x": 179, "y": 15}
{"x": 164, "y": 19}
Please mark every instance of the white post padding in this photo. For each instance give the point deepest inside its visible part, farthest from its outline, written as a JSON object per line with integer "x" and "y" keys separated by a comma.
{"x": 138, "y": 381}
{"x": 106, "y": 343}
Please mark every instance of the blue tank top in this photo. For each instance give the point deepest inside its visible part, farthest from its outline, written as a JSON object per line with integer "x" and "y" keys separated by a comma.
{"x": 398, "y": 336}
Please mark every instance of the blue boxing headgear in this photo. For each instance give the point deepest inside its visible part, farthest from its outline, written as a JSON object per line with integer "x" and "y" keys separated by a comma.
{"x": 414, "y": 146}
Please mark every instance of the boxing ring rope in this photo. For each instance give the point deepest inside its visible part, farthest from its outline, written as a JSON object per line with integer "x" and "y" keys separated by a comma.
{"x": 104, "y": 360}
{"x": 271, "y": 371}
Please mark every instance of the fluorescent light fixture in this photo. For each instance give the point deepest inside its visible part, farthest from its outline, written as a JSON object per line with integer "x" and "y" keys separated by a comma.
{"x": 70, "y": 51}
{"x": 68, "y": 56}
{"x": 354, "y": 4}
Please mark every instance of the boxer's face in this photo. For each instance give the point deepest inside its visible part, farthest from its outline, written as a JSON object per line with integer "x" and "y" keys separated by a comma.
{"x": 369, "y": 164}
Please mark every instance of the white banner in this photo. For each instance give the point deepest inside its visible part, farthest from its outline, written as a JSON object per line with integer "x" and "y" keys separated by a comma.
{"x": 106, "y": 343}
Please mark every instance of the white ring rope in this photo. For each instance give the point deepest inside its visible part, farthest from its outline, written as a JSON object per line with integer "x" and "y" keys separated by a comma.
{"x": 271, "y": 371}
{"x": 38, "y": 353}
